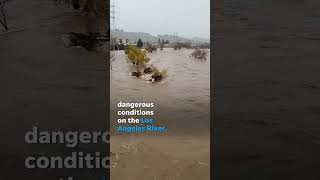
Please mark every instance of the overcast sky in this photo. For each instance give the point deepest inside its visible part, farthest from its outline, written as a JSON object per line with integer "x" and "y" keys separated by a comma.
{"x": 188, "y": 18}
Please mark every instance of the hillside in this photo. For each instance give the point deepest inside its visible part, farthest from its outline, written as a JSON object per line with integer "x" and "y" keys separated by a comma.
{"x": 146, "y": 37}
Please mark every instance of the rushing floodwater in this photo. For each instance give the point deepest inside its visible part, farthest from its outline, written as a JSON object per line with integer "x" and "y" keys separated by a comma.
{"x": 181, "y": 100}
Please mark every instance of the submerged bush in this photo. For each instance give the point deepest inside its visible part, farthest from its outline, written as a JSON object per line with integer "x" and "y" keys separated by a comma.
{"x": 151, "y": 48}
{"x": 152, "y": 74}
{"x": 158, "y": 76}
{"x": 139, "y": 58}
{"x": 199, "y": 54}
{"x": 149, "y": 69}
{"x": 180, "y": 45}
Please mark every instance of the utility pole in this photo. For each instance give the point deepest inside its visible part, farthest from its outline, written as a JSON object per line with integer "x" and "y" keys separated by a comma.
{"x": 113, "y": 15}
{"x": 175, "y": 37}
{"x": 113, "y": 19}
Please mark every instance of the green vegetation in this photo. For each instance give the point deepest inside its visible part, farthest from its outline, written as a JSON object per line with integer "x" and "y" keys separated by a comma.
{"x": 140, "y": 43}
{"x": 137, "y": 57}
{"x": 119, "y": 47}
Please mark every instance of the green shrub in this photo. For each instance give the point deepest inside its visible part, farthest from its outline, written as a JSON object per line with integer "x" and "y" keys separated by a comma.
{"x": 140, "y": 43}
{"x": 137, "y": 57}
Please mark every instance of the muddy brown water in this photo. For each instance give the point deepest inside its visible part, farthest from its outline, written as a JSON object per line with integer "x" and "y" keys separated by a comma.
{"x": 47, "y": 85}
{"x": 181, "y": 100}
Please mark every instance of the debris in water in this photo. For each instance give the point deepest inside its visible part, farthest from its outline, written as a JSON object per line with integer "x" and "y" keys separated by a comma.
{"x": 150, "y": 48}
{"x": 136, "y": 74}
{"x": 199, "y": 54}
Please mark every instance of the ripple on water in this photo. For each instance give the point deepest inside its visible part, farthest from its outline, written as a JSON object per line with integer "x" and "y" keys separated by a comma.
{"x": 184, "y": 95}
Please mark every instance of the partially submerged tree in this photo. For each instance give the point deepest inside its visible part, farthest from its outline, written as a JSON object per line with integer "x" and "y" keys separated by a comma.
{"x": 3, "y": 16}
{"x": 137, "y": 57}
{"x": 162, "y": 45}
{"x": 177, "y": 46}
{"x": 140, "y": 43}
{"x": 150, "y": 48}
{"x": 199, "y": 54}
